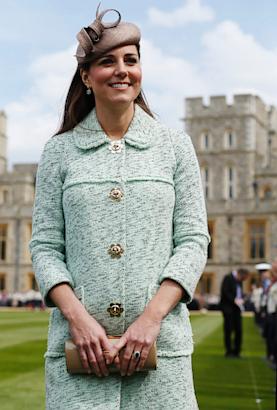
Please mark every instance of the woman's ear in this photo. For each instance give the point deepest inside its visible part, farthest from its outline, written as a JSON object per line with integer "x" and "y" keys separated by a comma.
{"x": 84, "y": 77}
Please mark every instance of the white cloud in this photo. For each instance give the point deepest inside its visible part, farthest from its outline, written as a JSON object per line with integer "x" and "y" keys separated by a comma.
{"x": 236, "y": 62}
{"x": 166, "y": 80}
{"x": 230, "y": 61}
{"x": 35, "y": 117}
{"x": 191, "y": 11}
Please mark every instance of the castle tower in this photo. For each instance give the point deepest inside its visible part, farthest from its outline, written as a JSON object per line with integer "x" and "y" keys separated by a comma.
{"x": 3, "y": 142}
{"x": 236, "y": 146}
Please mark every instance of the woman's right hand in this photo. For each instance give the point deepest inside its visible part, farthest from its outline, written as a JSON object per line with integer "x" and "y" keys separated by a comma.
{"x": 87, "y": 334}
{"x": 91, "y": 341}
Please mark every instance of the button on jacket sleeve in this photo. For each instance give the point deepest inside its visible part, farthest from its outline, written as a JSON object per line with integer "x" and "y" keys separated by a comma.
{"x": 47, "y": 246}
{"x": 190, "y": 234}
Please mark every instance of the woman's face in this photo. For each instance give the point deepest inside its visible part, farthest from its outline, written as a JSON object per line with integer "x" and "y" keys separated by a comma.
{"x": 115, "y": 77}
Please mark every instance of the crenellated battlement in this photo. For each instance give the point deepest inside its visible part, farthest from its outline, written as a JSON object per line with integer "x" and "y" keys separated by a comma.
{"x": 3, "y": 142}
{"x": 3, "y": 123}
{"x": 243, "y": 104}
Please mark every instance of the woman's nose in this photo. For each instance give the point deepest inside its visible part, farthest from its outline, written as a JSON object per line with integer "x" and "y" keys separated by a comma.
{"x": 120, "y": 69}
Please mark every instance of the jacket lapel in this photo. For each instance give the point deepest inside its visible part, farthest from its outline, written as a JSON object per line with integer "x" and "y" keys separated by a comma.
{"x": 89, "y": 133}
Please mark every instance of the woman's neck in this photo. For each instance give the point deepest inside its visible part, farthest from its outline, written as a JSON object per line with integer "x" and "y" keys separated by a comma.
{"x": 115, "y": 122}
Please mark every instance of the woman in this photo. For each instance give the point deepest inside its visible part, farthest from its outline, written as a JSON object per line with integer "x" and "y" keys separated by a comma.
{"x": 119, "y": 236}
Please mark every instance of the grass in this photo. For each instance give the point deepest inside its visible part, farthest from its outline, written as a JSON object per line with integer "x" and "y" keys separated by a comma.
{"x": 221, "y": 384}
{"x": 231, "y": 384}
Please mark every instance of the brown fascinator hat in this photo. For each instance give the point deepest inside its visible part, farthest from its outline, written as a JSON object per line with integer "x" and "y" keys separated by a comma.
{"x": 100, "y": 37}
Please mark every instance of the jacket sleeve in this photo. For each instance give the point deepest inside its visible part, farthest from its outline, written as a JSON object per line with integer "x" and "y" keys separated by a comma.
{"x": 190, "y": 233}
{"x": 47, "y": 245}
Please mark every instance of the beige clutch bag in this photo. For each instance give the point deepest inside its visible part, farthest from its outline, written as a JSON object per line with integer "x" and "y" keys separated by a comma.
{"x": 74, "y": 364}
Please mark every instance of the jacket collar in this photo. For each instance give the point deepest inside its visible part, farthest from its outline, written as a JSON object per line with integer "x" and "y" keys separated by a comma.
{"x": 89, "y": 133}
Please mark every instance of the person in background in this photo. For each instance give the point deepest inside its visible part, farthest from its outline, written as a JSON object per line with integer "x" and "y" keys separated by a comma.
{"x": 271, "y": 335}
{"x": 265, "y": 274}
{"x": 232, "y": 306}
{"x": 256, "y": 294}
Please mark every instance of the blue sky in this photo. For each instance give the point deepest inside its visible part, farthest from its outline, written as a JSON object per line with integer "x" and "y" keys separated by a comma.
{"x": 190, "y": 48}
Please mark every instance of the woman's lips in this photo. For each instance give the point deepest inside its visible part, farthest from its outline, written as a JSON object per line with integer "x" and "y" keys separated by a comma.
{"x": 121, "y": 86}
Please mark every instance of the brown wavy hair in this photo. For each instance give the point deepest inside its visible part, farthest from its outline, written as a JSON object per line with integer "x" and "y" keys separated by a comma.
{"x": 78, "y": 104}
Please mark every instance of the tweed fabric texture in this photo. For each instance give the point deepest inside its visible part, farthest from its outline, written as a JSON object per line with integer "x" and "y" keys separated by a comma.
{"x": 170, "y": 387}
{"x": 160, "y": 224}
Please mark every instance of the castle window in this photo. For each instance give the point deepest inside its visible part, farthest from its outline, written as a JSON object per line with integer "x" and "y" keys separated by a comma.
{"x": 266, "y": 192}
{"x": 5, "y": 196}
{"x": 32, "y": 282}
{"x": 3, "y": 241}
{"x": 256, "y": 239}
{"x": 2, "y": 281}
{"x": 211, "y": 244}
{"x": 206, "y": 181}
{"x": 230, "y": 183}
{"x": 229, "y": 139}
{"x": 205, "y": 141}
{"x": 206, "y": 283}
{"x": 30, "y": 230}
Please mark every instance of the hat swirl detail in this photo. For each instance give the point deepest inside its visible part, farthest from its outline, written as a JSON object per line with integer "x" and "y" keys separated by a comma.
{"x": 99, "y": 37}
{"x": 90, "y": 35}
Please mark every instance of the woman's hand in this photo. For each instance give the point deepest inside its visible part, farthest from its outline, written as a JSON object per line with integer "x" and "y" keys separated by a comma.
{"x": 91, "y": 341}
{"x": 87, "y": 334}
{"x": 140, "y": 336}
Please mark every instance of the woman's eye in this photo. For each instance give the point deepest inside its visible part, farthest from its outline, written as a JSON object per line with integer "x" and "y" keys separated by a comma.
{"x": 106, "y": 61}
{"x": 131, "y": 60}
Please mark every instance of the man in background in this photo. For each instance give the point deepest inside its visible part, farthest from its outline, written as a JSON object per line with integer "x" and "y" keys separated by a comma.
{"x": 232, "y": 306}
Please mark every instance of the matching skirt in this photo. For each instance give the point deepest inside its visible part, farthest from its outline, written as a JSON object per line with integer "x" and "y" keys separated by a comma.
{"x": 169, "y": 387}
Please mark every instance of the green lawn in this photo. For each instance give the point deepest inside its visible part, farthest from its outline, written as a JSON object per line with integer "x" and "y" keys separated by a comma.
{"x": 231, "y": 384}
{"x": 221, "y": 384}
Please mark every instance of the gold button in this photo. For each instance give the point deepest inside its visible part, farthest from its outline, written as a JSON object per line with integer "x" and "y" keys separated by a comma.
{"x": 116, "y": 251}
{"x": 116, "y": 194}
{"x": 115, "y": 146}
{"x": 115, "y": 309}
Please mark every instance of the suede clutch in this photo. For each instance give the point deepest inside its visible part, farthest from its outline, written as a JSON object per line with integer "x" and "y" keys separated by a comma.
{"x": 74, "y": 364}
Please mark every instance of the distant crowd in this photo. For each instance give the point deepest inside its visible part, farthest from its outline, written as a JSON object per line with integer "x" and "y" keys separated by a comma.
{"x": 264, "y": 298}
{"x": 30, "y": 299}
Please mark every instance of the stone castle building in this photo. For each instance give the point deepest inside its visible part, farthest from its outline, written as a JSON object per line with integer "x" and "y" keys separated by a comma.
{"x": 236, "y": 147}
{"x": 16, "y": 201}
{"x": 237, "y": 151}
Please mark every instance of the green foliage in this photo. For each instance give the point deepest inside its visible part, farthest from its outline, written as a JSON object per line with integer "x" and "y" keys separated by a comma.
{"x": 221, "y": 384}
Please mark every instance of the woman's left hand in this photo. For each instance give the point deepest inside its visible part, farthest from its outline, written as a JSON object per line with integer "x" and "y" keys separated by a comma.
{"x": 139, "y": 337}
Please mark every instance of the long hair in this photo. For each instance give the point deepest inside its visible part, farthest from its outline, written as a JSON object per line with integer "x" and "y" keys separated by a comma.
{"x": 78, "y": 104}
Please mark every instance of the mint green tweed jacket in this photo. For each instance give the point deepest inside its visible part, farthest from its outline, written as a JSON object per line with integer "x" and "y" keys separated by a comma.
{"x": 143, "y": 194}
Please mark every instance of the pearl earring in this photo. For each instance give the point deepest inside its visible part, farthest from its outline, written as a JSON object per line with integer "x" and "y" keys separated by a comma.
{"x": 88, "y": 91}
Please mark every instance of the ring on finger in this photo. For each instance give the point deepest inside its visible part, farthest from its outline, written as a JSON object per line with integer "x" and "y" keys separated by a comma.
{"x": 136, "y": 355}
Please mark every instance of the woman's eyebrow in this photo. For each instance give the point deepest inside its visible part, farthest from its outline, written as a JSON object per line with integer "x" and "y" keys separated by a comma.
{"x": 113, "y": 56}
{"x": 106, "y": 56}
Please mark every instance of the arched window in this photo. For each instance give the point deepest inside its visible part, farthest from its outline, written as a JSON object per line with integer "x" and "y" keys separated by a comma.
{"x": 230, "y": 182}
{"x": 229, "y": 139}
{"x": 206, "y": 182}
{"x": 205, "y": 140}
